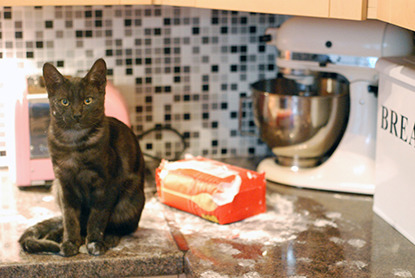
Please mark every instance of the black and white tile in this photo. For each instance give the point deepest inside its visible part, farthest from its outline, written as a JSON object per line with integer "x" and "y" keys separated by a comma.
{"x": 182, "y": 67}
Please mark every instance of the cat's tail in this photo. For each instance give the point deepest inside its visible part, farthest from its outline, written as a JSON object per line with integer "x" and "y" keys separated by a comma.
{"x": 44, "y": 236}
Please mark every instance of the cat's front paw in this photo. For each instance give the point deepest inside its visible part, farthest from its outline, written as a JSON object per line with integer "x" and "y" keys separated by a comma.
{"x": 68, "y": 248}
{"x": 96, "y": 248}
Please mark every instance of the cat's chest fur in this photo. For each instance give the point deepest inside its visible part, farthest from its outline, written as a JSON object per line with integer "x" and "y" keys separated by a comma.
{"x": 81, "y": 155}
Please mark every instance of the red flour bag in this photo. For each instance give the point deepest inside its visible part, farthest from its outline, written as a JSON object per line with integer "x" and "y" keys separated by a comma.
{"x": 216, "y": 191}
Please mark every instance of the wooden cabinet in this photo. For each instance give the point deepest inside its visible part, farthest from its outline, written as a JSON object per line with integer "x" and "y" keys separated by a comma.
{"x": 351, "y": 9}
{"x": 398, "y": 12}
{"x": 72, "y": 2}
{"x": 318, "y": 8}
{"x": 179, "y": 3}
{"x": 134, "y": 2}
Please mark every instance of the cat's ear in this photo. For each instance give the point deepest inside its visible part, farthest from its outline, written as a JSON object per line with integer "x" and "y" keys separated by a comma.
{"x": 53, "y": 78}
{"x": 97, "y": 75}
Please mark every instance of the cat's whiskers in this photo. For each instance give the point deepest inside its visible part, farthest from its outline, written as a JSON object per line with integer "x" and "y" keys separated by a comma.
{"x": 64, "y": 121}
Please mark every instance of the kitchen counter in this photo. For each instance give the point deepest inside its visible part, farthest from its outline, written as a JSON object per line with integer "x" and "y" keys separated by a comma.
{"x": 304, "y": 233}
{"x": 149, "y": 251}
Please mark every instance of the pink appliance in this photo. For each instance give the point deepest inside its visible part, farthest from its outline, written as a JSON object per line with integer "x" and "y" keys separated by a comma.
{"x": 33, "y": 164}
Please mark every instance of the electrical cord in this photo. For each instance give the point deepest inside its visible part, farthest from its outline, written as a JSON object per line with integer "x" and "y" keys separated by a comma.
{"x": 161, "y": 128}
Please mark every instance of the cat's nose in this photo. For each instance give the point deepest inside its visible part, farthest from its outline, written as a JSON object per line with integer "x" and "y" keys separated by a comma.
{"x": 77, "y": 117}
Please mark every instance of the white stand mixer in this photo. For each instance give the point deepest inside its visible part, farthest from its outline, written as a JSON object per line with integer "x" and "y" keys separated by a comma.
{"x": 349, "y": 48}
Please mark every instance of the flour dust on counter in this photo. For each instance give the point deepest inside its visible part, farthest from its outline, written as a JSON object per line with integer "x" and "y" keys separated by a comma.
{"x": 397, "y": 272}
{"x": 13, "y": 221}
{"x": 279, "y": 224}
{"x": 296, "y": 237}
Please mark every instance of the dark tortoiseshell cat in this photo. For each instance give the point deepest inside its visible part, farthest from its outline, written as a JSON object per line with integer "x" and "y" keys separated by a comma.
{"x": 98, "y": 166}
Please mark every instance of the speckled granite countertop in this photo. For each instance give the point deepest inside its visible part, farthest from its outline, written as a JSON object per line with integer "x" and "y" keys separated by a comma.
{"x": 149, "y": 251}
{"x": 304, "y": 233}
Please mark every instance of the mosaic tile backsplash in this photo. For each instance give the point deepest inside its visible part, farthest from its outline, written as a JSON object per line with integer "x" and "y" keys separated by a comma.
{"x": 184, "y": 68}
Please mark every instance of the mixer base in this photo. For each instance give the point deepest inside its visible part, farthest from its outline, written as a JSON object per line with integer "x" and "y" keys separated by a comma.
{"x": 323, "y": 177}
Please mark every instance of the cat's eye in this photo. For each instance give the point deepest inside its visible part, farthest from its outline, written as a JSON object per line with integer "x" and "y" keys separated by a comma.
{"x": 88, "y": 100}
{"x": 64, "y": 102}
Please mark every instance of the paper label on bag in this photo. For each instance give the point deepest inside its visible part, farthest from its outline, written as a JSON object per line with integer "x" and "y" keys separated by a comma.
{"x": 226, "y": 190}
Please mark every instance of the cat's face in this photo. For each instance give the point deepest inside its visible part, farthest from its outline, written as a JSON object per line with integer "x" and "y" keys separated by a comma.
{"x": 77, "y": 103}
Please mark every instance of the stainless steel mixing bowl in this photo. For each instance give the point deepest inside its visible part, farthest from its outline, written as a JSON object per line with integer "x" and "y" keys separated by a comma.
{"x": 302, "y": 124}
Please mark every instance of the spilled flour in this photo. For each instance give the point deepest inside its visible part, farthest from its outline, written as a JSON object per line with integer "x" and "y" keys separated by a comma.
{"x": 213, "y": 274}
{"x": 359, "y": 265}
{"x": 227, "y": 248}
{"x": 278, "y": 224}
{"x": 402, "y": 273}
{"x": 357, "y": 243}
{"x": 251, "y": 242}
{"x": 324, "y": 223}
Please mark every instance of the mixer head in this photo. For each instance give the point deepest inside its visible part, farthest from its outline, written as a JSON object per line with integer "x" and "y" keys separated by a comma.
{"x": 333, "y": 45}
